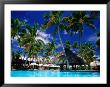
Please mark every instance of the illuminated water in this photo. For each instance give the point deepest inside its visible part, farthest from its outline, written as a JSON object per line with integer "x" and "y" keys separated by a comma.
{"x": 49, "y": 73}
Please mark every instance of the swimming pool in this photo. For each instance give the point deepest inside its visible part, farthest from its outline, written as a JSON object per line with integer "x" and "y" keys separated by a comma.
{"x": 49, "y": 73}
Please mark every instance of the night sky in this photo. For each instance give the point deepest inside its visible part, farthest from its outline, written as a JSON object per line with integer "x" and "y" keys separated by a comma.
{"x": 33, "y": 17}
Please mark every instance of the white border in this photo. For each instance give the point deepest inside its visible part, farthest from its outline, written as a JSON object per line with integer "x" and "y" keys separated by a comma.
{"x": 56, "y": 80}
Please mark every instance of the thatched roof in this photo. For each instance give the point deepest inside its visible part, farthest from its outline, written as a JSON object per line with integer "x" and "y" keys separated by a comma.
{"x": 71, "y": 57}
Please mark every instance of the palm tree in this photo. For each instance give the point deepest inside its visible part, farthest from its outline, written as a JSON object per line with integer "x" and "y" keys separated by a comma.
{"x": 68, "y": 44}
{"x": 87, "y": 52}
{"x": 29, "y": 43}
{"x": 49, "y": 49}
{"x": 75, "y": 45}
{"x": 26, "y": 37}
{"x": 16, "y": 26}
{"x": 55, "y": 18}
{"x": 15, "y": 59}
{"x": 79, "y": 19}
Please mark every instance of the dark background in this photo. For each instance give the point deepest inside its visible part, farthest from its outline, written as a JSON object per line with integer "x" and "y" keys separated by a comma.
{"x": 2, "y": 2}
{"x": 55, "y": 1}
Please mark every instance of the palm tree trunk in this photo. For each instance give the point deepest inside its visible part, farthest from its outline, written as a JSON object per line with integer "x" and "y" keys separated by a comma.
{"x": 80, "y": 41}
{"x": 80, "y": 35}
{"x": 63, "y": 47}
{"x": 27, "y": 59}
{"x": 60, "y": 39}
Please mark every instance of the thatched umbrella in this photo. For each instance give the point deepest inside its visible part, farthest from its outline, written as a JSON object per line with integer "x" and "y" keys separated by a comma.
{"x": 72, "y": 58}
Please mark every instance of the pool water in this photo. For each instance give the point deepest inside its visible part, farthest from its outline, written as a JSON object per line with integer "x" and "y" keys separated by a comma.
{"x": 49, "y": 73}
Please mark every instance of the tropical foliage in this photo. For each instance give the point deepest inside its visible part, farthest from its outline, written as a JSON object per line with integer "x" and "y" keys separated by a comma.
{"x": 25, "y": 35}
{"x": 87, "y": 52}
{"x": 78, "y": 20}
